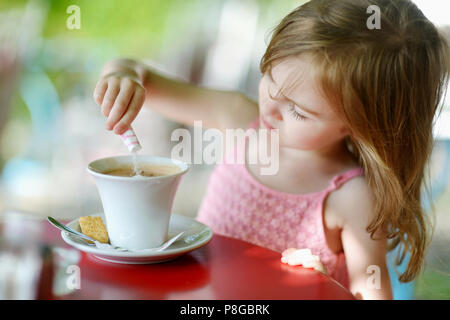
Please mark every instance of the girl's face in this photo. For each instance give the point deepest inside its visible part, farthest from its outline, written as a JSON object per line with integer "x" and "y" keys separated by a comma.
{"x": 303, "y": 116}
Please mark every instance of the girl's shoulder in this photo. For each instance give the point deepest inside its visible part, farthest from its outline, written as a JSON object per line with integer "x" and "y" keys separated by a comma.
{"x": 352, "y": 202}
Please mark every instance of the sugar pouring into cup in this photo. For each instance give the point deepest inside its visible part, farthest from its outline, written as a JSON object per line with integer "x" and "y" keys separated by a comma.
{"x": 130, "y": 139}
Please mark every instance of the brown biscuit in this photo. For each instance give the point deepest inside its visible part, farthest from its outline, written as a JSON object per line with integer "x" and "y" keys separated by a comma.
{"x": 94, "y": 228}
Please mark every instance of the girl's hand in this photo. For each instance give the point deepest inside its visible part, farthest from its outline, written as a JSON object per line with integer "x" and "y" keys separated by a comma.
{"x": 121, "y": 96}
{"x": 303, "y": 257}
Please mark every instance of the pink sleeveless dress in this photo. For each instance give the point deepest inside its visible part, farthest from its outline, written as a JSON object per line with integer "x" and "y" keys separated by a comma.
{"x": 237, "y": 205}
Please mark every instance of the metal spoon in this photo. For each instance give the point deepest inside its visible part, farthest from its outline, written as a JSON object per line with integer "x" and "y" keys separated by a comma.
{"x": 98, "y": 244}
{"x": 164, "y": 245}
{"x": 63, "y": 227}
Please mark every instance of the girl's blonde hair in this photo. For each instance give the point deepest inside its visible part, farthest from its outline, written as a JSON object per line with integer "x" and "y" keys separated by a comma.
{"x": 386, "y": 84}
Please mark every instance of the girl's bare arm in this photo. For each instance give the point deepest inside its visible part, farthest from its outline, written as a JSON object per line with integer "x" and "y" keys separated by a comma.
{"x": 365, "y": 257}
{"x": 126, "y": 84}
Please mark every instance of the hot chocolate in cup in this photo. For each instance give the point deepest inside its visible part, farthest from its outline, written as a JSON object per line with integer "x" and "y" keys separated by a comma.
{"x": 137, "y": 208}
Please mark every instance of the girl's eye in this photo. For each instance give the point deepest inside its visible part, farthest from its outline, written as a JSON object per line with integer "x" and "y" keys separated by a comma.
{"x": 295, "y": 114}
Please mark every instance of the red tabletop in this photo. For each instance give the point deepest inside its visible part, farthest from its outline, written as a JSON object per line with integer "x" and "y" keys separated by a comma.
{"x": 225, "y": 268}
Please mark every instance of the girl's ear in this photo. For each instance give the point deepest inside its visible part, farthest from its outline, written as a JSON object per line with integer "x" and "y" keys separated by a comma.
{"x": 344, "y": 131}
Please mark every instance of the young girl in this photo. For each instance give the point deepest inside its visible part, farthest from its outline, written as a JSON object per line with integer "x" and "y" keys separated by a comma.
{"x": 354, "y": 107}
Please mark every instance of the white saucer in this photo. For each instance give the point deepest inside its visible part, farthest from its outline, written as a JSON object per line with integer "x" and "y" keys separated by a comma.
{"x": 196, "y": 235}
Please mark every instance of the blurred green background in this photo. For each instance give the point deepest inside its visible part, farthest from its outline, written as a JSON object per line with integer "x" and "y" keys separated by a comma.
{"x": 50, "y": 127}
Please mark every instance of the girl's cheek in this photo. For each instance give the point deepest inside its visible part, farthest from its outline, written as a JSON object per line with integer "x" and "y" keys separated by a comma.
{"x": 305, "y": 136}
{"x": 294, "y": 135}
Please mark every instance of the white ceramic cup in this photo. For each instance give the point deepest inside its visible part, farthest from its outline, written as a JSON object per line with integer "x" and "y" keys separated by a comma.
{"x": 137, "y": 209}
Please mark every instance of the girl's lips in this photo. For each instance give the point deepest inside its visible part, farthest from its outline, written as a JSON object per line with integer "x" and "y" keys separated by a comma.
{"x": 266, "y": 124}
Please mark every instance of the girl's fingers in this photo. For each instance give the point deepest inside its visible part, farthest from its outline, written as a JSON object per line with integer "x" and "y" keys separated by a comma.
{"x": 110, "y": 96}
{"x": 133, "y": 109}
{"x": 99, "y": 92}
{"x": 120, "y": 105}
